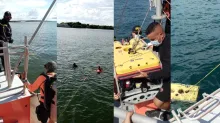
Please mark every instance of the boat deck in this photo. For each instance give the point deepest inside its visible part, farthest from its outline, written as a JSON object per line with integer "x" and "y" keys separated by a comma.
{"x": 14, "y": 93}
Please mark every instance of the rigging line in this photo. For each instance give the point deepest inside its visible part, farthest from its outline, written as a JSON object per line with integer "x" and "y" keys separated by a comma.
{"x": 69, "y": 101}
{"x": 121, "y": 16}
{"x": 39, "y": 26}
{"x": 206, "y": 75}
{"x": 145, "y": 17}
{"x": 168, "y": 2}
{"x": 42, "y": 21}
{"x": 167, "y": 16}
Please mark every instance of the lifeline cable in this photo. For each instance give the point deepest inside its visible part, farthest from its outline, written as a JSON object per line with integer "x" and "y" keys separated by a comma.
{"x": 145, "y": 18}
{"x": 205, "y": 76}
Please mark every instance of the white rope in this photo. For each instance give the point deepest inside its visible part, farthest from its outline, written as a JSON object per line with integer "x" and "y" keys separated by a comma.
{"x": 166, "y": 16}
{"x": 145, "y": 17}
{"x": 168, "y": 2}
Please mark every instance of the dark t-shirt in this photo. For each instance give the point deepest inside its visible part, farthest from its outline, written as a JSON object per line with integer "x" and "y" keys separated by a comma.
{"x": 164, "y": 54}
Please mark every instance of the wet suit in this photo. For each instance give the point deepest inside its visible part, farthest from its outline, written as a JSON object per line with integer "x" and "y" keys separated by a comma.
{"x": 5, "y": 35}
{"x": 164, "y": 73}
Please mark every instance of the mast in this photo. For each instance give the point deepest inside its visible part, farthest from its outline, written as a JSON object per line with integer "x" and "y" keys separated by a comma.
{"x": 45, "y": 16}
{"x": 158, "y": 5}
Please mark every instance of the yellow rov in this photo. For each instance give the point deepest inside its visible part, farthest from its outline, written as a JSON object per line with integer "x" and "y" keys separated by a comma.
{"x": 129, "y": 64}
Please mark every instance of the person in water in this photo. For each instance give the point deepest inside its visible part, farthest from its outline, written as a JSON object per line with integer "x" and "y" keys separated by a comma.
{"x": 99, "y": 70}
{"x": 5, "y": 32}
{"x": 74, "y": 65}
{"x": 161, "y": 44}
{"x": 44, "y": 113}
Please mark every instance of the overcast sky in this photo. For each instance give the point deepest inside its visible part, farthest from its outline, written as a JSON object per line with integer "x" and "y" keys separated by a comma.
{"x": 85, "y": 11}
{"x": 27, "y": 9}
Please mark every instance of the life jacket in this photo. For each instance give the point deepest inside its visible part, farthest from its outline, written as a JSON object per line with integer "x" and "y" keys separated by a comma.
{"x": 99, "y": 70}
{"x": 48, "y": 91}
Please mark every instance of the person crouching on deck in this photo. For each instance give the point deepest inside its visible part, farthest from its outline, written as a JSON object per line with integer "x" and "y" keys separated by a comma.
{"x": 47, "y": 108}
{"x": 161, "y": 44}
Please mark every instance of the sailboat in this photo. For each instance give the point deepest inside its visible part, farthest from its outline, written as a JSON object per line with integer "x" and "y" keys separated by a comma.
{"x": 17, "y": 104}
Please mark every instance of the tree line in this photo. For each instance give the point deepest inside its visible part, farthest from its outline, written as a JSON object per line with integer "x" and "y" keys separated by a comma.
{"x": 81, "y": 25}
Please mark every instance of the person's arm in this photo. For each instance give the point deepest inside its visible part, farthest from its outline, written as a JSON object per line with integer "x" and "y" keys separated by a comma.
{"x": 128, "y": 117}
{"x": 164, "y": 73}
{"x": 33, "y": 87}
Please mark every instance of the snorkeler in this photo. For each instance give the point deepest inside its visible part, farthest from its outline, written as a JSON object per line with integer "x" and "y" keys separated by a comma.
{"x": 99, "y": 70}
{"x": 74, "y": 65}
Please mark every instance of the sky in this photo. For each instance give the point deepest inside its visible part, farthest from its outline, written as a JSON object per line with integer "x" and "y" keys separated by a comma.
{"x": 27, "y": 9}
{"x": 85, "y": 11}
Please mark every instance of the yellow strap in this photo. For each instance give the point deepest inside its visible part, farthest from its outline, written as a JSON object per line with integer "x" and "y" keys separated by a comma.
{"x": 207, "y": 74}
{"x": 3, "y": 24}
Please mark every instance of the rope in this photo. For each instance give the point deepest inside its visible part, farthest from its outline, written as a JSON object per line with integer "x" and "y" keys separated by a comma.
{"x": 168, "y": 2}
{"x": 166, "y": 16}
{"x": 145, "y": 17}
{"x": 206, "y": 76}
{"x": 69, "y": 102}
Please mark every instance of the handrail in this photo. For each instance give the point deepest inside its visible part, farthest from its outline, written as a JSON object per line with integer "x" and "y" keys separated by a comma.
{"x": 198, "y": 103}
{"x": 7, "y": 64}
{"x": 199, "y": 109}
{"x": 176, "y": 117}
{"x": 8, "y": 71}
{"x": 136, "y": 118}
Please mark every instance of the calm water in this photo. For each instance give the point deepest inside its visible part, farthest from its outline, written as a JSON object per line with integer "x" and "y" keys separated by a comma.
{"x": 42, "y": 49}
{"x": 84, "y": 96}
{"x": 195, "y": 43}
{"x": 134, "y": 14}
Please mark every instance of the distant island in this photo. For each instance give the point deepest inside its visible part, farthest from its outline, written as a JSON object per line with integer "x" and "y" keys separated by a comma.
{"x": 81, "y": 25}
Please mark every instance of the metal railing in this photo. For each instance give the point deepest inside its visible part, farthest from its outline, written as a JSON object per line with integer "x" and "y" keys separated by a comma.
{"x": 8, "y": 71}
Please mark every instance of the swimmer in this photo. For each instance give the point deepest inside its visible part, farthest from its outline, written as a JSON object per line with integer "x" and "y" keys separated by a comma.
{"x": 99, "y": 70}
{"x": 74, "y": 65}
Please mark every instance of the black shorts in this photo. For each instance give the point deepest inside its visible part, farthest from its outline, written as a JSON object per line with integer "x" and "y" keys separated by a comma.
{"x": 164, "y": 96}
{"x": 42, "y": 113}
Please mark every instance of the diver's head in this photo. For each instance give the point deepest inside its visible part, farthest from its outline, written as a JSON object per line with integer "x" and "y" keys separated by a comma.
{"x": 7, "y": 16}
{"x": 155, "y": 33}
{"x": 50, "y": 67}
{"x": 137, "y": 30}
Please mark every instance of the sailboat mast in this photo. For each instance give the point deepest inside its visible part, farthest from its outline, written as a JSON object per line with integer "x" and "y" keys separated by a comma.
{"x": 42, "y": 21}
